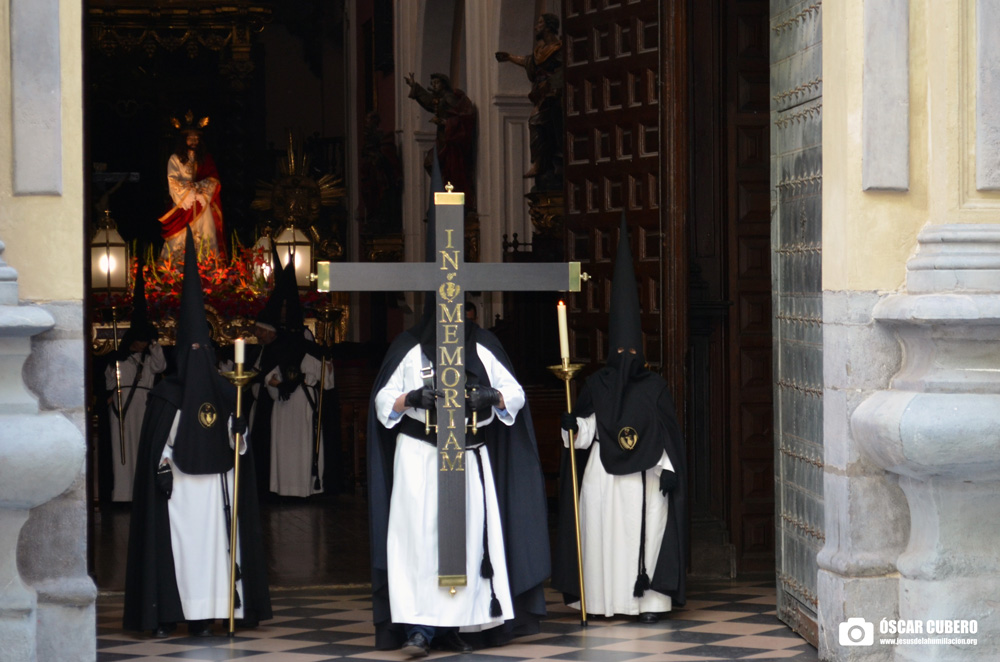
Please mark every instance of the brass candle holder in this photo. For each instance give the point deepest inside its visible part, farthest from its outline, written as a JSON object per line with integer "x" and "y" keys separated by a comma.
{"x": 566, "y": 371}
{"x": 239, "y": 378}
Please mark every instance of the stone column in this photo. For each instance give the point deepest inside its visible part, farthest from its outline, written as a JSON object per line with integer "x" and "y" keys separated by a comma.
{"x": 40, "y": 456}
{"x": 937, "y": 427}
{"x": 866, "y": 517}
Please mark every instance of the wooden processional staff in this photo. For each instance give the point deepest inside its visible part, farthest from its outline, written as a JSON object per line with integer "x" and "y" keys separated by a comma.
{"x": 239, "y": 378}
{"x": 565, "y": 371}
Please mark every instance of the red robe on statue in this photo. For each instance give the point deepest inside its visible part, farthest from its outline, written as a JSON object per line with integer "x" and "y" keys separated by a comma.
{"x": 178, "y": 217}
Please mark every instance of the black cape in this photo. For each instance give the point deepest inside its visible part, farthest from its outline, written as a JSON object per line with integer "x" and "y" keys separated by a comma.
{"x": 151, "y": 595}
{"x": 520, "y": 487}
{"x": 668, "y": 575}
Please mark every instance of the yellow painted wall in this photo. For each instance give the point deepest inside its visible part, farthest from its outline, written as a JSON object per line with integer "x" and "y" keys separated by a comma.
{"x": 869, "y": 236}
{"x": 44, "y": 235}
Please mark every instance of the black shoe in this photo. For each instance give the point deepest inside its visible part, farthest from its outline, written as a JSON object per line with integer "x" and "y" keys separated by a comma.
{"x": 416, "y": 645}
{"x": 164, "y": 630}
{"x": 451, "y": 641}
{"x": 648, "y": 617}
{"x": 200, "y": 628}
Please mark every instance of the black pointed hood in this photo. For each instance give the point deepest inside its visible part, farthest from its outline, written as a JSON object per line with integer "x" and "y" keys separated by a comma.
{"x": 202, "y": 442}
{"x": 272, "y": 314}
{"x": 625, "y": 329}
{"x": 140, "y": 328}
{"x": 425, "y": 329}
{"x": 624, "y": 323}
{"x": 294, "y": 317}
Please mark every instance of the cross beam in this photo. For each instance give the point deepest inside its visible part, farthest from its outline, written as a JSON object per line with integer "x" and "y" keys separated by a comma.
{"x": 449, "y": 276}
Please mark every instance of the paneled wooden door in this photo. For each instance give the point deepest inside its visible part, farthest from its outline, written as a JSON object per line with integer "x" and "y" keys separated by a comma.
{"x": 614, "y": 139}
{"x": 797, "y": 260}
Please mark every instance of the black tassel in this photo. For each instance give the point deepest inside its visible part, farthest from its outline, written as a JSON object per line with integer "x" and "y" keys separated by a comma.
{"x": 486, "y": 570}
{"x": 641, "y": 585}
{"x": 236, "y": 602}
{"x": 239, "y": 575}
{"x": 495, "y": 610}
{"x": 316, "y": 484}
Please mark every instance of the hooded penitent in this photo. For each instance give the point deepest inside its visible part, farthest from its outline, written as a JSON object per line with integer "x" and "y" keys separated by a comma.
{"x": 140, "y": 328}
{"x": 202, "y": 442}
{"x": 636, "y": 424}
{"x": 272, "y": 314}
{"x": 634, "y": 446}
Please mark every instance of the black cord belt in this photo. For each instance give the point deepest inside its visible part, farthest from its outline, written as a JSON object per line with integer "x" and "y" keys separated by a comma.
{"x": 411, "y": 427}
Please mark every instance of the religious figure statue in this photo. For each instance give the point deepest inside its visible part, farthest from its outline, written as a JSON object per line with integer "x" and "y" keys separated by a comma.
{"x": 194, "y": 186}
{"x": 381, "y": 179}
{"x": 455, "y": 117}
{"x": 544, "y": 66}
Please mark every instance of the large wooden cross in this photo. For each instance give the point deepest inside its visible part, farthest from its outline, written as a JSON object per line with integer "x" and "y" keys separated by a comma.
{"x": 449, "y": 276}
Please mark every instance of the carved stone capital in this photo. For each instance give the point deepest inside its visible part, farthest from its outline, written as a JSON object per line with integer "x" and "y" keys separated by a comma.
{"x": 938, "y": 428}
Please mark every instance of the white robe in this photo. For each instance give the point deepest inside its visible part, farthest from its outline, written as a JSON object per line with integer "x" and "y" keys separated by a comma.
{"x": 199, "y": 538}
{"x": 185, "y": 192}
{"x": 153, "y": 364}
{"x": 412, "y": 545}
{"x": 610, "y": 522}
{"x": 293, "y": 434}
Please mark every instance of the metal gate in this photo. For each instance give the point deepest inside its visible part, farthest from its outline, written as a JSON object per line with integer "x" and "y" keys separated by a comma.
{"x": 797, "y": 296}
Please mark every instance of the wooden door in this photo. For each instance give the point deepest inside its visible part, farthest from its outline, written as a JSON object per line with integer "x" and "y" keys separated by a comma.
{"x": 730, "y": 422}
{"x": 613, "y": 164}
{"x": 796, "y": 250}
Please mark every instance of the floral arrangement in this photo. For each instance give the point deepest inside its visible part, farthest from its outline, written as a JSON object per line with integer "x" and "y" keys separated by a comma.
{"x": 235, "y": 289}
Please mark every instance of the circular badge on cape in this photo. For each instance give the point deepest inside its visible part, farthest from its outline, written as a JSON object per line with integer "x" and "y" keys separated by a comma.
{"x": 628, "y": 438}
{"x": 207, "y": 415}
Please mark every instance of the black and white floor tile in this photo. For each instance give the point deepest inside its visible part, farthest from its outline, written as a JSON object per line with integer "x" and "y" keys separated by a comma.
{"x": 722, "y": 621}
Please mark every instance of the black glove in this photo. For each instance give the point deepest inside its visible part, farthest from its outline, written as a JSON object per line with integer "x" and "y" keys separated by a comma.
{"x": 288, "y": 386}
{"x": 421, "y": 398}
{"x": 240, "y": 426}
{"x": 165, "y": 479}
{"x": 668, "y": 481}
{"x": 569, "y": 422}
{"x": 482, "y": 397}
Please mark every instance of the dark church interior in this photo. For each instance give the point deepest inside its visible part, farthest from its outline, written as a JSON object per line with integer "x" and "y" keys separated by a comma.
{"x": 680, "y": 145}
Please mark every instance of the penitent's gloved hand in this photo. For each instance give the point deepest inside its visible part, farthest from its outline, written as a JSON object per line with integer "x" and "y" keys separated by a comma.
{"x": 569, "y": 422}
{"x": 240, "y": 426}
{"x": 165, "y": 479}
{"x": 421, "y": 398}
{"x": 668, "y": 481}
{"x": 482, "y": 397}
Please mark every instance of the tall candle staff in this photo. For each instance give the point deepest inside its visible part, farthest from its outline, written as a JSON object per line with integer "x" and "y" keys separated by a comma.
{"x": 239, "y": 378}
{"x": 565, "y": 371}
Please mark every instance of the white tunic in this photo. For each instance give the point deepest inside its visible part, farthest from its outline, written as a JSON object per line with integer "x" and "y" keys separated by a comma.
{"x": 184, "y": 192}
{"x": 152, "y": 364}
{"x": 610, "y": 522}
{"x": 199, "y": 538}
{"x": 293, "y": 434}
{"x": 412, "y": 545}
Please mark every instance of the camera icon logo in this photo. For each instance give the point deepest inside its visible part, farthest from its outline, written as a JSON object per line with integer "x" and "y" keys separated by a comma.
{"x": 857, "y": 632}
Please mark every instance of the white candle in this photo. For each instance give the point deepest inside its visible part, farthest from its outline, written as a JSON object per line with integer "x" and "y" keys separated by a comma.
{"x": 563, "y": 333}
{"x": 238, "y": 350}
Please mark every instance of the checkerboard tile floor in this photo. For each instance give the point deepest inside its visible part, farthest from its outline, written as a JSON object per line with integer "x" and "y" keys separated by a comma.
{"x": 721, "y": 621}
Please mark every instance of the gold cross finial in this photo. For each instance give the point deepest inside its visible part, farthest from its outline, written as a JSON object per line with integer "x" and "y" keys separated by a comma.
{"x": 449, "y": 187}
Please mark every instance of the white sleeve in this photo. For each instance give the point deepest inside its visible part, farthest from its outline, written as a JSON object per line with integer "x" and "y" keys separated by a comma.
{"x": 664, "y": 464}
{"x": 585, "y": 434}
{"x": 329, "y": 383}
{"x": 178, "y": 184}
{"x": 168, "y": 448}
{"x": 502, "y": 380}
{"x": 272, "y": 390}
{"x": 310, "y": 369}
{"x": 232, "y": 437}
{"x": 385, "y": 399}
{"x": 157, "y": 361}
